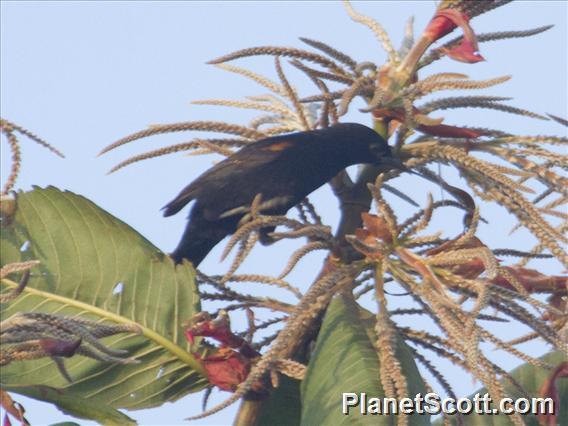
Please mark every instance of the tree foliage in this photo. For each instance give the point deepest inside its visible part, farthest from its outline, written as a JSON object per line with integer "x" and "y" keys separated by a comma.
{"x": 82, "y": 285}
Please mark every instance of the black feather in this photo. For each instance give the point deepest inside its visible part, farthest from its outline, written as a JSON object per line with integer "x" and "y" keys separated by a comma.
{"x": 283, "y": 168}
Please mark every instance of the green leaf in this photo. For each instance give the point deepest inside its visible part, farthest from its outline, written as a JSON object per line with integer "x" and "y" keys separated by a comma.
{"x": 531, "y": 378}
{"x": 65, "y": 424}
{"x": 283, "y": 406}
{"x": 94, "y": 266}
{"x": 76, "y": 406}
{"x": 345, "y": 360}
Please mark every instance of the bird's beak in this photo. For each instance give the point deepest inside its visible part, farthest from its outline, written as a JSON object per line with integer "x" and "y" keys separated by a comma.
{"x": 393, "y": 163}
{"x": 396, "y": 163}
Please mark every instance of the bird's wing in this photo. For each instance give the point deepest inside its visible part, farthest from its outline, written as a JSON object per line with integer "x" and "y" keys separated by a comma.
{"x": 221, "y": 181}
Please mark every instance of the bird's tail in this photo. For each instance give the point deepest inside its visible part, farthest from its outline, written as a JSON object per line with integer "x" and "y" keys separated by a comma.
{"x": 197, "y": 241}
{"x": 191, "y": 251}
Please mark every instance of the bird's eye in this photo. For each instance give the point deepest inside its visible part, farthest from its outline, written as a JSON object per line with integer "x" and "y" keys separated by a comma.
{"x": 377, "y": 149}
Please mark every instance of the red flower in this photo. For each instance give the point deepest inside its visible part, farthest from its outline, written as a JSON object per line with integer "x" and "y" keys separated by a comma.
{"x": 471, "y": 269}
{"x": 377, "y": 227}
{"x": 445, "y": 131}
{"x": 441, "y": 130}
{"x": 374, "y": 234}
{"x": 533, "y": 281}
{"x": 549, "y": 390}
{"x": 444, "y": 22}
{"x": 12, "y": 408}
{"x": 56, "y": 347}
{"x": 219, "y": 329}
{"x": 230, "y": 364}
{"x": 226, "y": 369}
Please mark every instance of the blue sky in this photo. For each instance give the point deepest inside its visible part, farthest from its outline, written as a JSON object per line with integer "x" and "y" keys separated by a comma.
{"x": 83, "y": 74}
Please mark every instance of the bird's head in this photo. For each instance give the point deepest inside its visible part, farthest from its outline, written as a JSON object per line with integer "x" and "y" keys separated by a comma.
{"x": 367, "y": 147}
{"x": 381, "y": 155}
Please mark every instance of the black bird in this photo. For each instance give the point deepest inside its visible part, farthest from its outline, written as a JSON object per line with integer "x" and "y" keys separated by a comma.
{"x": 283, "y": 169}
